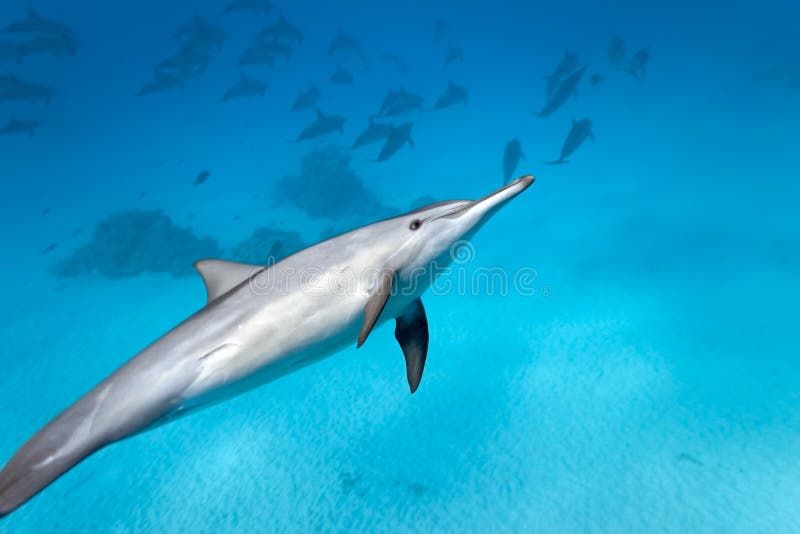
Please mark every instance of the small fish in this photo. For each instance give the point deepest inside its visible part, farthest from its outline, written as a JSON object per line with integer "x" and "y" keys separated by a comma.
{"x": 202, "y": 177}
{"x": 49, "y": 248}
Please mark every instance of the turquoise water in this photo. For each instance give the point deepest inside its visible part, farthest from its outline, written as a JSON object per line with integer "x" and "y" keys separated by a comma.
{"x": 649, "y": 383}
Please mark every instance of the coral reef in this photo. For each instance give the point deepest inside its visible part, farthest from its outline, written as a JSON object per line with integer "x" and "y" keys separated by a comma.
{"x": 328, "y": 187}
{"x": 132, "y": 242}
{"x": 267, "y": 245}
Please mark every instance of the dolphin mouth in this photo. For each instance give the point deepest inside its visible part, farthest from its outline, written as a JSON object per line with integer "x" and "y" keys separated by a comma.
{"x": 492, "y": 201}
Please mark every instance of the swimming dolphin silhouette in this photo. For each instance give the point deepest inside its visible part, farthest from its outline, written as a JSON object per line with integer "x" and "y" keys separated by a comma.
{"x": 261, "y": 323}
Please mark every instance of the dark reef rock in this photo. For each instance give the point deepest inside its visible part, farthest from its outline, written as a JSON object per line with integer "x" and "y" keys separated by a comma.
{"x": 132, "y": 242}
{"x": 267, "y": 245}
{"x": 327, "y": 187}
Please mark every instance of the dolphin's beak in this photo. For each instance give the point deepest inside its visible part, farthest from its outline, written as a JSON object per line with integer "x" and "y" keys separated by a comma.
{"x": 474, "y": 213}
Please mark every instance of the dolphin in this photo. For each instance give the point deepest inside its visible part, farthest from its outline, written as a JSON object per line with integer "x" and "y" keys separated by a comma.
{"x": 16, "y": 126}
{"x": 282, "y": 30}
{"x": 15, "y": 88}
{"x": 36, "y": 23}
{"x": 254, "y": 6}
{"x": 341, "y": 76}
{"x": 400, "y": 103}
{"x": 306, "y": 99}
{"x": 453, "y": 54}
{"x": 395, "y": 60}
{"x": 58, "y": 46}
{"x": 567, "y": 88}
{"x": 376, "y": 131}
{"x": 616, "y": 51}
{"x": 245, "y": 87}
{"x": 345, "y": 44}
{"x": 260, "y": 323}
{"x": 162, "y": 81}
{"x": 638, "y": 62}
{"x": 398, "y": 137}
{"x": 568, "y": 64}
{"x": 511, "y": 156}
{"x": 452, "y": 96}
{"x": 581, "y": 131}
{"x": 322, "y": 125}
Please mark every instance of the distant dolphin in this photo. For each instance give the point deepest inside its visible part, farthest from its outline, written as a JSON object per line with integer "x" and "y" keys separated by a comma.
{"x": 375, "y": 131}
{"x": 16, "y": 126}
{"x": 581, "y": 131}
{"x": 453, "y": 54}
{"x": 162, "y": 81}
{"x": 35, "y": 23}
{"x": 398, "y": 137}
{"x": 511, "y": 157}
{"x": 245, "y": 87}
{"x": 569, "y": 63}
{"x": 616, "y": 51}
{"x": 454, "y": 94}
{"x": 395, "y": 60}
{"x": 282, "y": 30}
{"x": 400, "y": 103}
{"x": 255, "y": 6}
{"x": 345, "y": 44}
{"x": 567, "y": 88}
{"x": 322, "y": 125}
{"x": 260, "y": 323}
{"x": 13, "y": 88}
{"x": 341, "y": 76}
{"x": 637, "y": 63}
{"x": 306, "y": 99}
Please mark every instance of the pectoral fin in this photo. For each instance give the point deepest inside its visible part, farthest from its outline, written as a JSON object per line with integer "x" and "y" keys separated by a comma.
{"x": 411, "y": 332}
{"x": 375, "y": 304}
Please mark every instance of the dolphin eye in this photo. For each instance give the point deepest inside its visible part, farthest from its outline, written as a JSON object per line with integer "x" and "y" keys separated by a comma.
{"x": 415, "y": 224}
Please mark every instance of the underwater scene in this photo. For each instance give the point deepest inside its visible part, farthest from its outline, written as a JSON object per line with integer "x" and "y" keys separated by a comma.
{"x": 221, "y": 220}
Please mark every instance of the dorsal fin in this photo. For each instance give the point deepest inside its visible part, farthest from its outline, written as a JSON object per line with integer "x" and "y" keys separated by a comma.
{"x": 220, "y": 276}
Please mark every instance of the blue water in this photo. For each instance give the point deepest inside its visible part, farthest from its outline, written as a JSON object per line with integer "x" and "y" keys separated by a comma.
{"x": 649, "y": 383}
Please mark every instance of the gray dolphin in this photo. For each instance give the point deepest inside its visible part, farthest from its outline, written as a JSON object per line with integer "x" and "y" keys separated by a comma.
{"x": 58, "y": 46}
{"x": 569, "y": 63}
{"x": 245, "y": 87}
{"x": 345, "y": 44}
{"x": 306, "y": 99}
{"x": 638, "y": 62}
{"x": 341, "y": 76}
{"x": 282, "y": 30}
{"x": 36, "y": 23}
{"x": 511, "y": 157}
{"x": 322, "y": 125}
{"x": 162, "y": 81}
{"x": 258, "y": 324}
{"x": 398, "y": 137}
{"x": 453, "y": 95}
{"x": 567, "y": 88}
{"x": 616, "y": 51}
{"x": 255, "y": 6}
{"x": 16, "y": 126}
{"x": 581, "y": 131}
{"x": 14, "y": 88}
{"x": 375, "y": 131}
{"x": 453, "y": 54}
{"x": 400, "y": 103}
